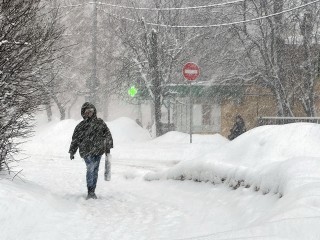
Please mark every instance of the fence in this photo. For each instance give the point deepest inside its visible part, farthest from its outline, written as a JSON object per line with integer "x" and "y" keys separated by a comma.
{"x": 285, "y": 120}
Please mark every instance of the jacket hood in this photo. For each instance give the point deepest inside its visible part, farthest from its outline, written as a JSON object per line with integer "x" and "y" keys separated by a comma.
{"x": 87, "y": 105}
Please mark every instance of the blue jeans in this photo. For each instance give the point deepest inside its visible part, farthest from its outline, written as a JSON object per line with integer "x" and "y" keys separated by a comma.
{"x": 92, "y": 163}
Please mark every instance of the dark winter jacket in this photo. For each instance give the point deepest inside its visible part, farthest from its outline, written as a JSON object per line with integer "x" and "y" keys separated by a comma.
{"x": 237, "y": 129}
{"x": 92, "y": 136}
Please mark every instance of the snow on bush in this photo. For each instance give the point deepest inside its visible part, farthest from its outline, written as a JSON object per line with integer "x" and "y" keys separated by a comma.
{"x": 270, "y": 159}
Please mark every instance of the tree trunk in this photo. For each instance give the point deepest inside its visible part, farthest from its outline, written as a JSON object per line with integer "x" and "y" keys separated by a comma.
{"x": 279, "y": 48}
{"x": 105, "y": 106}
{"x": 92, "y": 82}
{"x": 156, "y": 83}
{"x": 70, "y": 107}
{"x": 306, "y": 28}
{"x": 48, "y": 108}
{"x": 61, "y": 108}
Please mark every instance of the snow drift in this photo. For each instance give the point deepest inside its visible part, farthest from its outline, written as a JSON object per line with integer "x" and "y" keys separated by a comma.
{"x": 270, "y": 159}
{"x": 54, "y": 138}
{"x": 277, "y": 161}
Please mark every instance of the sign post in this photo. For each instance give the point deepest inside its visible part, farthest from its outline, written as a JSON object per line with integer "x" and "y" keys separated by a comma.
{"x": 190, "y": 72}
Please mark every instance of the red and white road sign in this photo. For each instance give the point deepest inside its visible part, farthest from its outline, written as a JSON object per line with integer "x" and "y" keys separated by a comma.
{"x": 191, "y": 71}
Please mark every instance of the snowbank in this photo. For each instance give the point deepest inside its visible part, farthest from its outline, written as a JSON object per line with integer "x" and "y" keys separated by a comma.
{"x": 172, "y": 147}
{"x": 278, "y": 161}
{"x": 178, "y": 137}
{"x": 29, "y": 212}
{"x": 266, "y": 144}
{"x": 54, "y": 138}
{"x": 270, "y": 159}
{"x": 126, "y": 130}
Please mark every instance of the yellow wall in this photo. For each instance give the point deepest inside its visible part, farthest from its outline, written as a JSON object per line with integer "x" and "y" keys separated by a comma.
{"x": 257, "y": 102}
{"x": 250, "y": 108}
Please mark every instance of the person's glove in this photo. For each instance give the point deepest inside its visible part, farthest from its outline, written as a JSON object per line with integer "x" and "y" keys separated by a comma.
{"x": 71, "y": 156}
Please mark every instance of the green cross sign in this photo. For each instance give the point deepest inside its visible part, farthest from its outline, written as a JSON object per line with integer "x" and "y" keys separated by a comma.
{"x": 132, "y": 91}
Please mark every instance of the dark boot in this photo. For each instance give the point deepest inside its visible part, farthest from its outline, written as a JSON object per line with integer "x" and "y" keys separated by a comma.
{"x": 91, "y": 193}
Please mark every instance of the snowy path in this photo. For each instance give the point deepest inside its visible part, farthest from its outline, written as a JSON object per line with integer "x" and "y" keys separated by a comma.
{"x": 131, "y": 208}
{"x": 51, "y": 203}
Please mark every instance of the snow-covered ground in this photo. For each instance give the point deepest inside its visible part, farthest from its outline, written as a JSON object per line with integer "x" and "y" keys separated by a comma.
{"x": 263, "y": 185}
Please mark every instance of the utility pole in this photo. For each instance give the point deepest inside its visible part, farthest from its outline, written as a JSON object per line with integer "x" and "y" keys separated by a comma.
{"x": 92, "y": 82}
{"x": 156, "y": 83}
{"x": 306, "y": 29}
{"x": 191, "y": 111}
{"x": 245, "y": 16}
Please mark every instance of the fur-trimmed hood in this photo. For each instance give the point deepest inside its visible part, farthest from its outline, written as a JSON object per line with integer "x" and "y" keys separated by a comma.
{"x": 87, "y": 105}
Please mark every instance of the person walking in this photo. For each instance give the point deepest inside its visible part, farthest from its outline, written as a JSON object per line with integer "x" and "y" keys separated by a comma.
{"x": 93, "y": 138}
{"x": 238, "y": 128}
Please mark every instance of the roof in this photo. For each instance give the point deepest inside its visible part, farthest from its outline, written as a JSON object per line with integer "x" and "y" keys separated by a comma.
{"x": 201, "y": 90}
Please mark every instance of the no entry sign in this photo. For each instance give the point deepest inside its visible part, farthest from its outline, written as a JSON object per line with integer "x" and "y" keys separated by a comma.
{"x": 191, "y": 71}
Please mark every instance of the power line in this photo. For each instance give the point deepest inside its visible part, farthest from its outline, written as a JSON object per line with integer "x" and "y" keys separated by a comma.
{"x": 71, "y": 6}
{"x": 216, "y": 25}
{"x": 170, "y": 9}
{"x": 74, "y": 5}
{"x": 154, "y": 9}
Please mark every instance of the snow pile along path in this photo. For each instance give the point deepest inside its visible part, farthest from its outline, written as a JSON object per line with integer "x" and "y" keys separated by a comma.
{"x": 125, "y": 130}
{"x": 30, "y": 212}
{"x": 54, "y": 138}
{"x": 273, "y": 160}
{"x": 270, "y": 159}
{"x": 168, "y": 149}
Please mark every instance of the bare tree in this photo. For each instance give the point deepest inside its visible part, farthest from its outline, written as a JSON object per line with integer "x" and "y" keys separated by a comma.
{"x": 152, "y": 56}
{"x": 271, "y": 51}
{"x": 70, "y": 72}
{"x": 27, "y": 47}
{"x": 308, "y": 22}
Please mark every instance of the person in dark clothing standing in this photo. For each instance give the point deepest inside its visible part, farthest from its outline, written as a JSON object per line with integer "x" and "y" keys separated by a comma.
{"x": 238, "y": 128}
{"x": 93, "y": 138}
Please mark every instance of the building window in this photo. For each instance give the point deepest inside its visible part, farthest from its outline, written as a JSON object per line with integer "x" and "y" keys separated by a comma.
{"x": 206, "y": 114}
